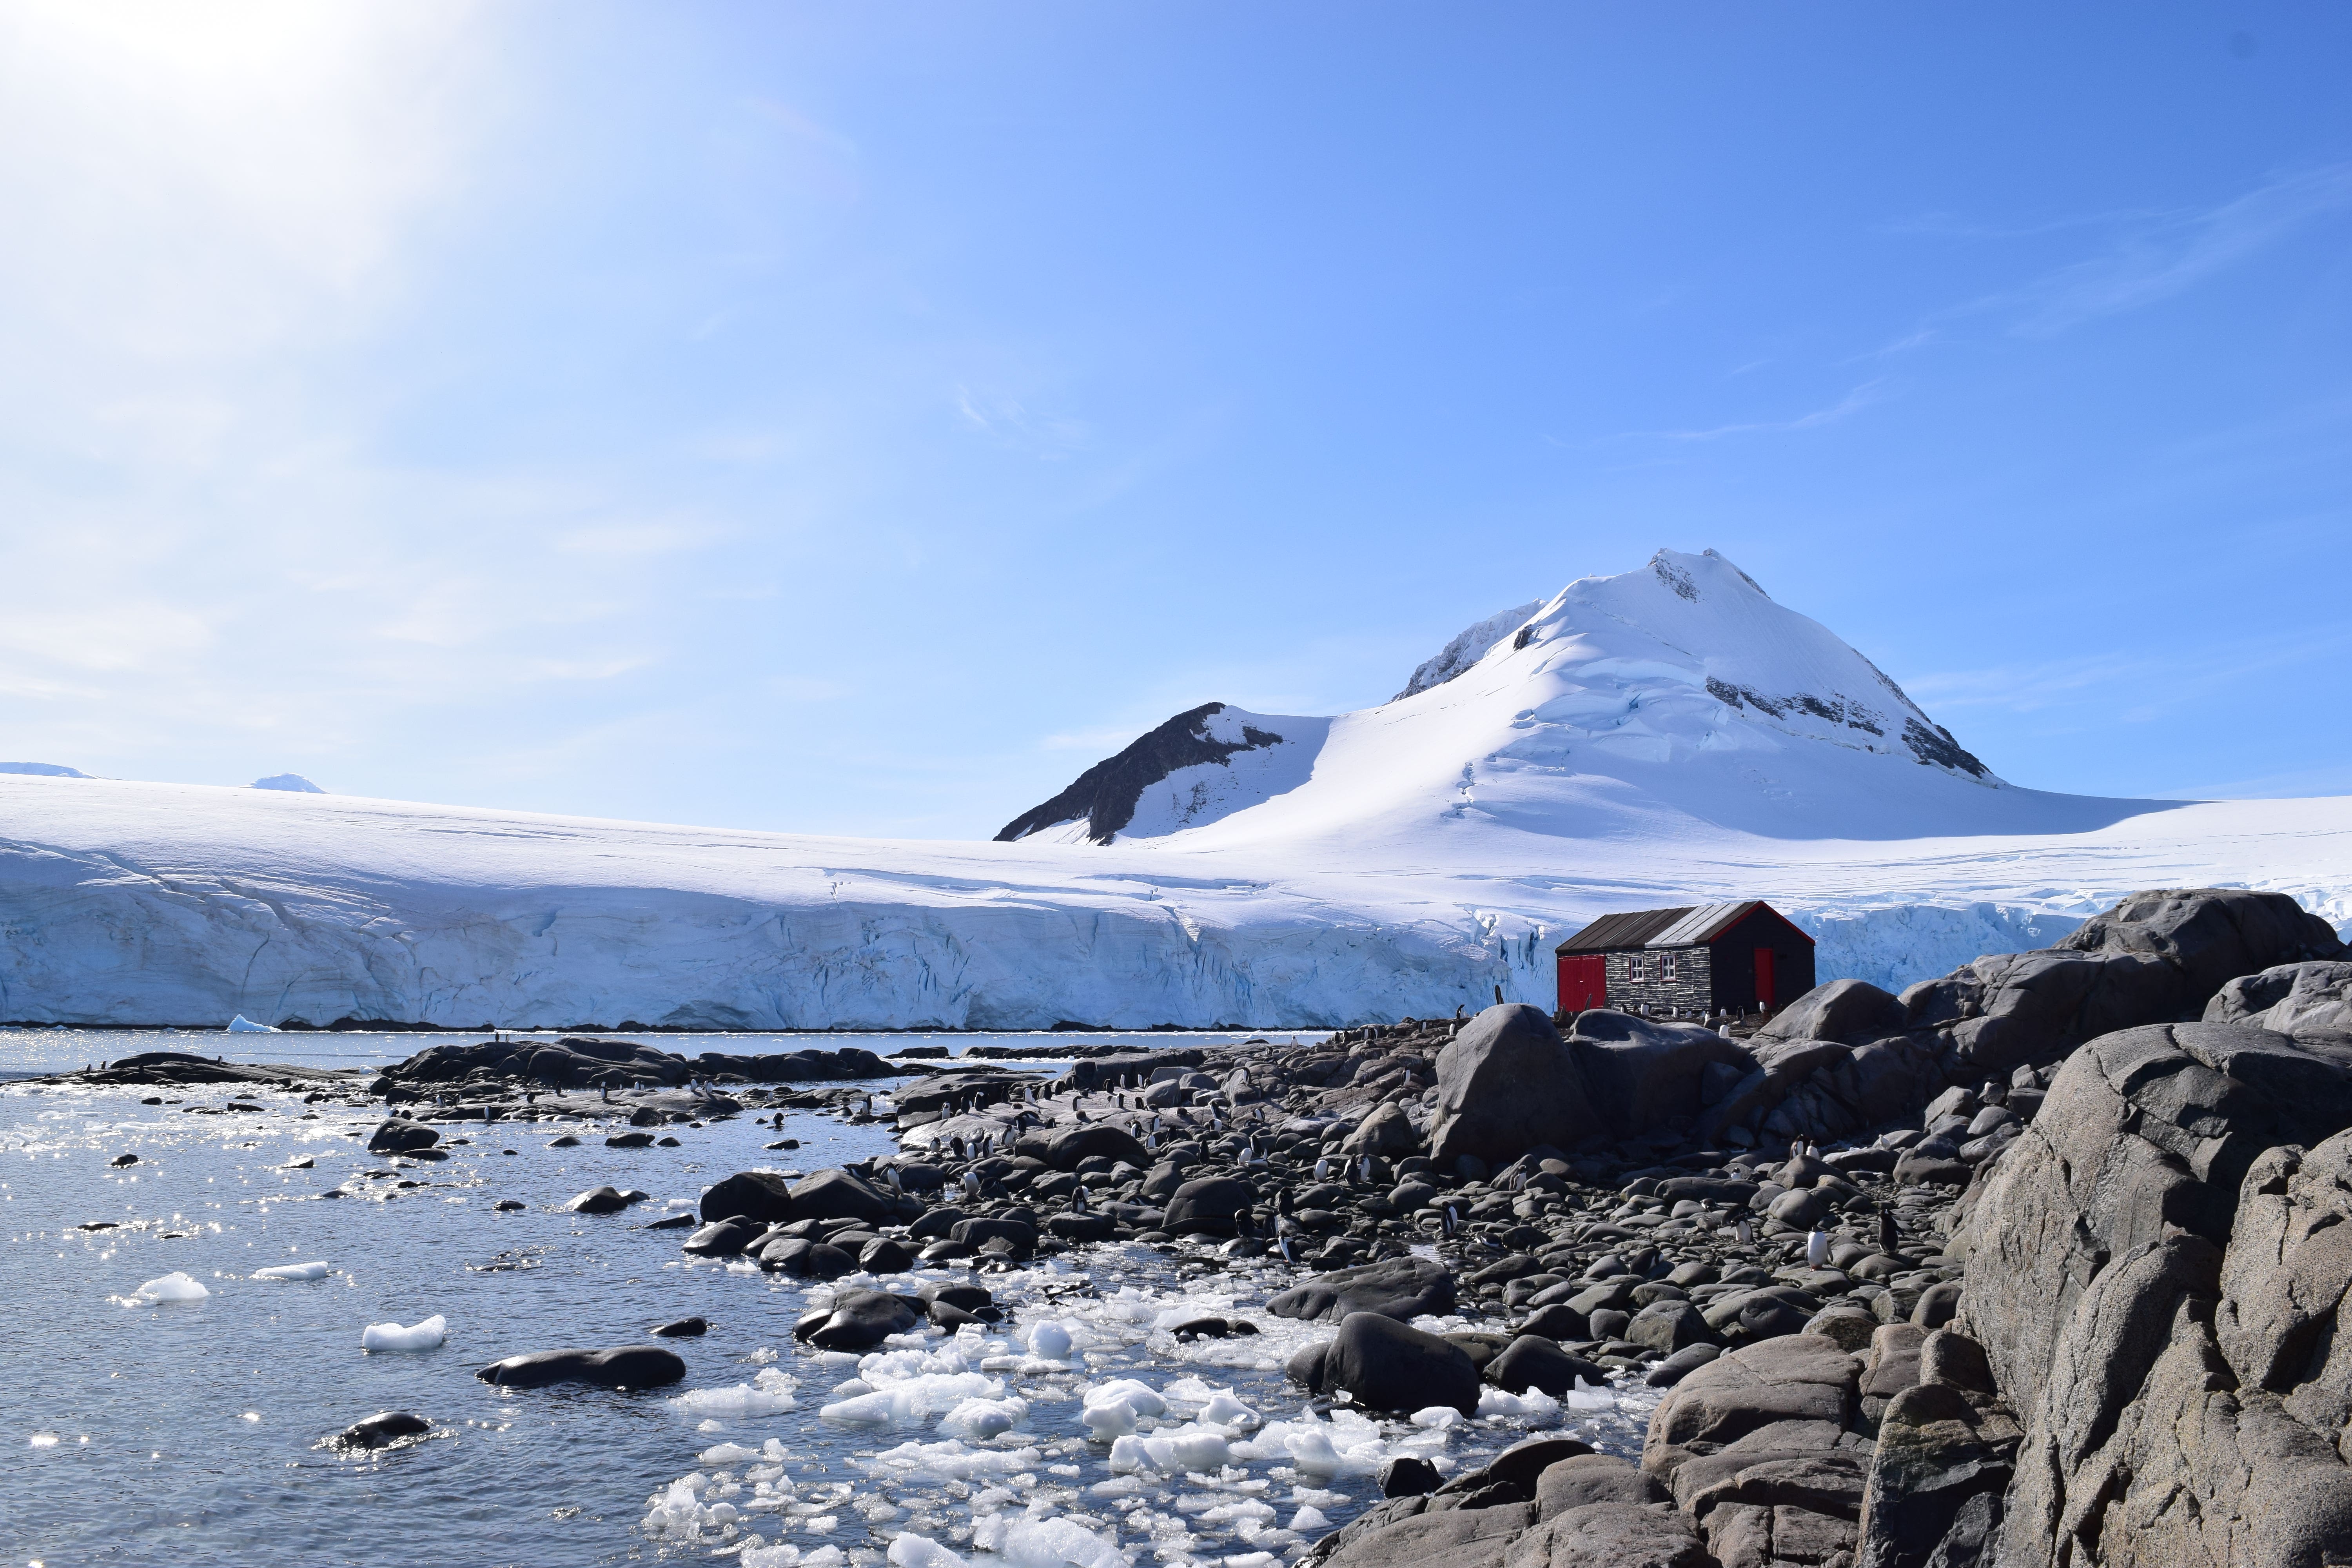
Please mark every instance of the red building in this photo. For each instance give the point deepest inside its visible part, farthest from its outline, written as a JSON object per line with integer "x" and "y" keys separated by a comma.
{"x": 1707, "y": 958}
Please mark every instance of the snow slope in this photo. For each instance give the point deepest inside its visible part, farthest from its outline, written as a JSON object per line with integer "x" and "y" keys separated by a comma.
{"x": 1664, "y": 736}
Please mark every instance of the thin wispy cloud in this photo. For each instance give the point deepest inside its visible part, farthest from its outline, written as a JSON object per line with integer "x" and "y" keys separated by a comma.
{"x": 2180, "y": 251}
{"x": 2135, "y": 688}
{"x": 2155, "y": 255}
{"x": 1845, "y": 408}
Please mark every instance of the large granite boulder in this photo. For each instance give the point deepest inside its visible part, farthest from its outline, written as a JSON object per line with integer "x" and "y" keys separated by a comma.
{"x": 2155, "y": 1269}
{"x": 1642, "y": 1075}
{"x": 2144, "y": 1132}
{"x": 1800, "y": 1391}
{"x": 1207, "y": 1207}
{"x": 2156, "y": 957}
{"x": 1400, "y": 1287}
{"x": 2290, "y": 999}
{"x": 749, "y": 1195}
{"x": 1066, "y": 1149}
{"x": 1383, "y": 1364}
{"x": 1403, "y": 1534}
{"x": 1385, "y": 1129}
{"x": 837, "y": 1194}
{"x": 1851, "y": 1012}
{"x": 1507, "y": 1083}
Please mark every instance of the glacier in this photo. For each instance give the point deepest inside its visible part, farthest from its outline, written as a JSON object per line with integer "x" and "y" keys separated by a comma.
{"x": 1669, "y": 735}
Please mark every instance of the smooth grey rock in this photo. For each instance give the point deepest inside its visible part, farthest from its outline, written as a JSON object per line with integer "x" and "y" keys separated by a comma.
{"x": 837, "y": 1194}
{"x": 629, "y": 1366}
{"x": 2288, "y": 999}
{"x": 1795, "y": 1378}
{"x": 398, "y": 1135}
{"x": 724, "y": 1238}
{"x": 1456, "y": 1537}
{"x": 1400, "y": 1288}
{"x": 1207, "y": 1207}
{"x": 2144, "y": 1131}
{"x": 1407, "y": 1475}
{"x": 762, "y": 1195}
{"x": 1850, "y": 1012}
{"x": 859, "y": 1320}
{"x": 1610, "y": 1535}
{"x": 1643, "y": 1074}
{"x": 1591, "y": 1478}
{"x": 1507, "y": 1083}
{"x": 1384, "y": 1364}
{"x": 1385, "y": 1129}
{"x": 1531, "y": 1361}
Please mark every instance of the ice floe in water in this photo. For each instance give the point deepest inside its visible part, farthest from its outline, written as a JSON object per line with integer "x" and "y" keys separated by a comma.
{"x": 425, "y": 1336}
{"x": 1083, "y": 1434}
{"x": 768, "y": 1393}
{"x": 172, "y": 1287}
{"x": 295, "y": 1271}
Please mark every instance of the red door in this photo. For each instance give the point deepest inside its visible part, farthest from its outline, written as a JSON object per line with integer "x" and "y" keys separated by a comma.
{"x": 1583, "y": 982}
{"x": 1764, "y": 997}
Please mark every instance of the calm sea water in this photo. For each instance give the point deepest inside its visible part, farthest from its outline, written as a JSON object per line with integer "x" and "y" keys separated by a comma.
{"x": 190, "y": 1432}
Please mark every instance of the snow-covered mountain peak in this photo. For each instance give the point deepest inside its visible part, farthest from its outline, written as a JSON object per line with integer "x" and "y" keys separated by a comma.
{"x": 1706, "y": 650}
{"x": 1678, "y": 690}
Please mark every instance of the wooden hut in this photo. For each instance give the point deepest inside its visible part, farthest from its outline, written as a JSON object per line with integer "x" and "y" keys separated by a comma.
{"x": 1706, "y": 958}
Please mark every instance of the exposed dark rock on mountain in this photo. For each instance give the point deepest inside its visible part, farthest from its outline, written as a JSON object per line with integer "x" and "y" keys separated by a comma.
{"x": 1104, "y": 796}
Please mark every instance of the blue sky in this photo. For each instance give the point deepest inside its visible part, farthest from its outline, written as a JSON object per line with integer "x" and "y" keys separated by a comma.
{"x": 860, "y": 419}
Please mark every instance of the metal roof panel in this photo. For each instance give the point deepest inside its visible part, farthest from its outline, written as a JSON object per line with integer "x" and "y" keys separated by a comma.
{"x": 1701, "y": 925}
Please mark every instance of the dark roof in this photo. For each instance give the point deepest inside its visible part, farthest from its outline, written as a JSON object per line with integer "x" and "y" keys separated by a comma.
{"x": 1611, "y": 933}
{"x": 1692, "y": 925}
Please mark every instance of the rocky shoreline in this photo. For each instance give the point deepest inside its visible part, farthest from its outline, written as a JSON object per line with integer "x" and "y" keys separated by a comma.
{"x": 2037, "y": 1263}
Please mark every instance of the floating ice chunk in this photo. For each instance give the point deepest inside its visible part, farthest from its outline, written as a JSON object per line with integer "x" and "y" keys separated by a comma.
{"x": 981, "y": 1419}
{"x": 294, "y": 1271}
{"x": 769, "y": 1391}
{"x": 1114, "y": 1409}
{"x": 1309, "y": 1518}
{"x": 1223, "y": 1410}
{"x": 241, "y": 1025}
{"x": 1049, "y": 1340}
{"x": 1174, "y": 1450}
{"x": 770, "y": 1557}
{"x": 425, "y": 1336}
{"x": 849, "y": 1387}
{"x": 1252, "y": 1560}
{"x": 950, "y": 1460}
{"x": 172, "y": 1287}
{"x": 1045, "y": 1542}
{"x": 914, "y": 1398}
{"x": 1439, "y": 1418}
{"x": 1584, "y": 1396}
{"x": 726, "y": 1454}
{"x": 915, "y": 1551}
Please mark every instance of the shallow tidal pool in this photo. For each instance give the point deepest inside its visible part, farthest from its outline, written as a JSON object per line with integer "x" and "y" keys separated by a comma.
{"x": 190, "y": 1431}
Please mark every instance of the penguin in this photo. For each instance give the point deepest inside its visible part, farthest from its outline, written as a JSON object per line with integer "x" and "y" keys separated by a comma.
{"x": 1817, "y": 1249}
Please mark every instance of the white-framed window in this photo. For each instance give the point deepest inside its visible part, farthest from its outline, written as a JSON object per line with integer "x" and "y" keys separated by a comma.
{"x": 1637, "y": 967}
{"x": 1667, "y": 966}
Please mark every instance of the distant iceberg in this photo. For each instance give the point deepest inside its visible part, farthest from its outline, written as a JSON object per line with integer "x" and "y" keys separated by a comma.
{"x": 46, "y": 769}
{"x": 295, "y": 783}
{"x": 241, "y": 1025}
